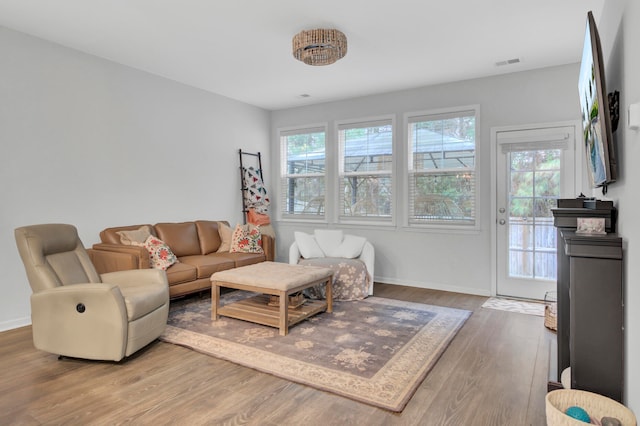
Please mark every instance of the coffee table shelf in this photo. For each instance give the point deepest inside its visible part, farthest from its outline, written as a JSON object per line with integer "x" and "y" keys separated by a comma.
{"x": 257, "y": 310}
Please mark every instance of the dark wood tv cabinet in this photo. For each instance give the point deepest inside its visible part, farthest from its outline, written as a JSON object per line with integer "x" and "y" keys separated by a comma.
{"x": 590, "y": 335}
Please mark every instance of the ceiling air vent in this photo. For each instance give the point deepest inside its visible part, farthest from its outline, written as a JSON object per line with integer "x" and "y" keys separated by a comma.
{"x": 508, "y": 62}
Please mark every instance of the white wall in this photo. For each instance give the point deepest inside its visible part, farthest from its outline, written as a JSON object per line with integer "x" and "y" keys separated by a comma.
{"x": 444, "y": 260}
{"x": 619, "y": 34}
{"x": 96, "y": 144}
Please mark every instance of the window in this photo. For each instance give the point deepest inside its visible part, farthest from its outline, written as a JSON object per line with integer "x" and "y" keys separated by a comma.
{"x": 303, "y": 172}
{"x": 442, "y": 168}
{"x": 366, "y": 170}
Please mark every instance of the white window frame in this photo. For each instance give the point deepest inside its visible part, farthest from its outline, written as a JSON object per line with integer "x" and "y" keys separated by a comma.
{"x": 282, "y": 133}
{"x": 445, "y": 225}
{"x": 357, "y": 123}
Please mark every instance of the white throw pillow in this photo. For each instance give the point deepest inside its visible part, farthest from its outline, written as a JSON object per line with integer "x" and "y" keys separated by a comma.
{"x": 307, "y": 245}
{"x": 328, "y": 239}
{"x": 350, "y": 248}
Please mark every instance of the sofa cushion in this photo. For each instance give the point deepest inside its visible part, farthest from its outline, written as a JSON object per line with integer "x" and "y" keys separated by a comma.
{"x": 350, "y": 248}
{"x": 111, "y": 236}
{"x": 208, "y": 264}
{"x": 181, "y": 273}
{"x": 244, "y": 259}
{"x": 181, "y": 237}
{"x": 208, "y": 235}
{"x": 328, "y": 240}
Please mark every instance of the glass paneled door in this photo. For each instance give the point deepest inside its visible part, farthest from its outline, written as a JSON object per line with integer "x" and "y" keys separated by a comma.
{"x": 535, "y": 168}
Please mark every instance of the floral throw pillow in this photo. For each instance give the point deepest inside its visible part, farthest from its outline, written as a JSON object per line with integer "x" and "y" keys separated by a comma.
{"x": 160, "y": 254}
{"x": 246, "y": 239}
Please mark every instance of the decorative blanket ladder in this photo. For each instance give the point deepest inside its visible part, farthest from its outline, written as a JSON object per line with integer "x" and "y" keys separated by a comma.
{"x": 252, "y": 185}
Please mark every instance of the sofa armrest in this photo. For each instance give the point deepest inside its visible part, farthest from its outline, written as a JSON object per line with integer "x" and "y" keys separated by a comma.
{"x": 368, "y": 256}
{"x": 294, "y": 254}
{"x": 108, "y": 257}
{"x": 269, "y": 247}
{"x": 111, "y": 261}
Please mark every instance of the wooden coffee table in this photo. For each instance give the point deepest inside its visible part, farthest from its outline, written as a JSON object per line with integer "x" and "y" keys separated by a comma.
{"x": 271, "y": 278}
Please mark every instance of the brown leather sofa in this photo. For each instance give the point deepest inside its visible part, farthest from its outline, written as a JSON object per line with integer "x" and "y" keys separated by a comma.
{"x": 195, "y": 244}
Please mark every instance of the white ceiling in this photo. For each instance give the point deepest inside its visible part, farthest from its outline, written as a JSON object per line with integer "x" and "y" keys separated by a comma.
{"x": 242, "y": 48}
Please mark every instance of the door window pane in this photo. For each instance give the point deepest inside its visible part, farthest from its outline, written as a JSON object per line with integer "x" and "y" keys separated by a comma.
{"x": 521, "y": 264}
{"x": 534, "y": 185}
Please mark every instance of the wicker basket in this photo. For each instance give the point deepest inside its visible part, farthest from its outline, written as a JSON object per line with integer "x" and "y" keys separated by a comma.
{"x": 295, "y": 300}
{"x": 597, "y": 406}
{"x": 551, "y": 311}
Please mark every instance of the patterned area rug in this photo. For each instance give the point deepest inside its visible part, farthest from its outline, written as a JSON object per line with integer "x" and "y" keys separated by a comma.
{"x": 375, "y": 350}
{"x": 519, "y": 306}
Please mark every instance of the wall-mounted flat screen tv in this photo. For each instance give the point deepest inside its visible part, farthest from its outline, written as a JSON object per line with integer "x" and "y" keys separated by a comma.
{"x": 596, "y": 121}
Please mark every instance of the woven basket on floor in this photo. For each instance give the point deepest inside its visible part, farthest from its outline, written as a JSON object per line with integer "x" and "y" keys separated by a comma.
{"x": 551, "y": 316}
{"x": 595, "y": 405}
{"x": 551, "y": 311}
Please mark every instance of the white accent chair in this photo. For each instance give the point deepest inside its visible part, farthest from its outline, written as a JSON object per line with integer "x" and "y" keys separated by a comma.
{"x": 78, "y": 313}
{"x": 325, "y": 245}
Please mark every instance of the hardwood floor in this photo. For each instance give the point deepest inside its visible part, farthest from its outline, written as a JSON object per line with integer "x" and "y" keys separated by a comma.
{"x": 493, "y": 373}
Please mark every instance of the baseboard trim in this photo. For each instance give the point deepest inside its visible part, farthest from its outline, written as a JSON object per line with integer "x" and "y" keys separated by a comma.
{"x": 434, "y": 286}
{"x": 15, "y": 323}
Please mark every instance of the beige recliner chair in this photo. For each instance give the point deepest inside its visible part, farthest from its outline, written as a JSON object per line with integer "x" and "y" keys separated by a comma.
{"x": 77, "y": 313}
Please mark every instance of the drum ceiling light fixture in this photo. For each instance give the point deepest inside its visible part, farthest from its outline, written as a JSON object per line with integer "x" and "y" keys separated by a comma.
{"x": 319, "y": 46}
